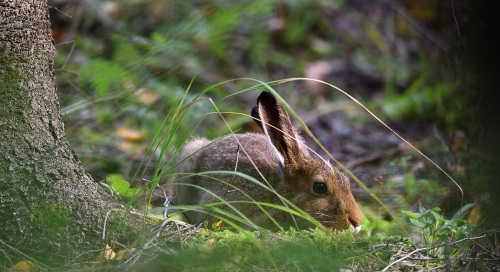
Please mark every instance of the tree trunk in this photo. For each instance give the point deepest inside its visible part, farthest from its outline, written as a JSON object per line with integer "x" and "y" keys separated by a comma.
{"x": 50, "y": 209}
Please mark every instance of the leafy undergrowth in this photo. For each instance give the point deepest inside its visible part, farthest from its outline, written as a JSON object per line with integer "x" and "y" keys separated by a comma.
{"x": 124, "y": 74}
{"x": 181, "y": 247}
{"x": 438, "y": 244}
{"x": 225, "y": 250}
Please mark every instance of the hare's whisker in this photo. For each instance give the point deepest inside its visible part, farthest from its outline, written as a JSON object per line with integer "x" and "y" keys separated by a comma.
{"x": 320, "y": 214}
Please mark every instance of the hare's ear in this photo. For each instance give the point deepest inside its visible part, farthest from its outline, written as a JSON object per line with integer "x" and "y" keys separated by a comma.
{"x": 277, "y": 126}
{"x": 256, "y": 116}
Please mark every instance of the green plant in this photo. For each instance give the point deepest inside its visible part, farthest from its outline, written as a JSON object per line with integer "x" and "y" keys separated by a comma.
{"x": 290, "y": 250}
{"x": 438, "y": 232}
{"x": 116, "y": 184}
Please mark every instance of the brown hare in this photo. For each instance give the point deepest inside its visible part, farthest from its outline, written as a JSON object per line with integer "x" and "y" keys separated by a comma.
{"x": 279, "y": 156}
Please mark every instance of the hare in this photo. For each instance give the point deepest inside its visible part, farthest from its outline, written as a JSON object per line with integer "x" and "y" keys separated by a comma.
{"x": 278, "y": 156}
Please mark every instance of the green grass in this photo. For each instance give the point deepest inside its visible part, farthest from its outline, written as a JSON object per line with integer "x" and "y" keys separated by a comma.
{"x": 158, "y": 48}
{"x": 237, "y": 244}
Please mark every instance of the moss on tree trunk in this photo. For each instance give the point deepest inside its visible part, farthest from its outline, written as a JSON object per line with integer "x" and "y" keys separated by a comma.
{"x": 50, "y": 208}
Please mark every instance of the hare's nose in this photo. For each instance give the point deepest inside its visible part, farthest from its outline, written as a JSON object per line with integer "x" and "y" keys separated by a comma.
{"x": 356, "y": 228}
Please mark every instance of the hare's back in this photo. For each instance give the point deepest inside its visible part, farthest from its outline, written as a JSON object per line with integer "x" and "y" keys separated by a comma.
{"x": 234, "y": 152}
{"x": 228, "y": 154}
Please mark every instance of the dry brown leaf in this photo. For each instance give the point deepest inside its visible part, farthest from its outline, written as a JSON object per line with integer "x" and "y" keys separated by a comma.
{"x": 108, "y": 253}
{"x": 129, "y": 134}
{"x": 147, "y": 96}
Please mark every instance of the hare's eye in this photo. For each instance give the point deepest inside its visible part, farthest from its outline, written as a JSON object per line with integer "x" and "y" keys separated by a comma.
{"x": 320, "y": 188}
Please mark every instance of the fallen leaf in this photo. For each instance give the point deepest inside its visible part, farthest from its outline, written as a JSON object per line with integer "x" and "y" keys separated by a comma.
{"x": 129, "y": 134}
{"x": 24, "y": 266}
{"x": 108, "y": 253}
{"x": 146, "y": 96}
{"x": 475, "y": 215}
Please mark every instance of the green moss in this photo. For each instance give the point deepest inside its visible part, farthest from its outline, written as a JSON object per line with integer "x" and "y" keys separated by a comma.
{"x": 11, "y": 91}
{"x": 52, "y": 218}
{"x": 9, "y": 75}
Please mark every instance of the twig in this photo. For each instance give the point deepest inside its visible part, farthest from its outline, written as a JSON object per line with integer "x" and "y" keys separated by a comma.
{"x": 421, "y": 28}
{"x": 104, "y": 225}
{"x": 69, "y": 55}
{"x": 456, "y": 23}
{"x": 235, "y": 170}
{"x": 167, "y": 199}
{"x": 62, "y": 12}
{"x": 425, "y": 248}
{"x": 74, "y": 86}
{"x": 373, "y": 158}
{"x": 63, "y": 43}
{"x": 22, "y": 254}
{"x": 485, "y": 249}
{"x": 73, "y": 73}
{"x": 196, "y": 230}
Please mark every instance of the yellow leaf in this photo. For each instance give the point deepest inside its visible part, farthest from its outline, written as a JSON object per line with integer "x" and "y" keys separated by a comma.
{"x": 24, "y": 266}
{"x": 475, "y": 215}
{"x": 146, "y": 96}
{"x": 107, "y": 254}
{"x": 129, "y": 134}
{"x": 120, "y": 254}
{"x": 128, "y": 146}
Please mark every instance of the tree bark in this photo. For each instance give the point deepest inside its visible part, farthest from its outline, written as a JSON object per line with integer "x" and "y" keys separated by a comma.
{"x": 50, "y": 209}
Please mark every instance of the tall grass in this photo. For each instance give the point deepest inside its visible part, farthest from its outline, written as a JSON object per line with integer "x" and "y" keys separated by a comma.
{"x": 267, "y": 247}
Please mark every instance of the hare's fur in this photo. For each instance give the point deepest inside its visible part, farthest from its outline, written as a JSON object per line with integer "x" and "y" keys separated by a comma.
{"x": 278, "y": 158}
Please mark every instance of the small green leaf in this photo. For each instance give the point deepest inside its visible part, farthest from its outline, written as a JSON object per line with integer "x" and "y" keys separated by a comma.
{"x": 413, "y": 215}
{"x": 131, "y": 192}
{"x": 107, "y": 186}
{"x": 421, "y": 209}
{"x": 436, "y": 209}
{"x": 463, "y": 210}
{"x": 437, "y": 216}
{"x": 442, "y": 221}
{"x": 112, "y": 178}
{"x": 417, "y": 223}
{"x": 121, "y": 187}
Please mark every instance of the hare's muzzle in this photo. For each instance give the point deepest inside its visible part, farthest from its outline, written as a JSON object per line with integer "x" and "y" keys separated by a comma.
{"x": 354, "y": 214}
{"x": 356, "y": 229}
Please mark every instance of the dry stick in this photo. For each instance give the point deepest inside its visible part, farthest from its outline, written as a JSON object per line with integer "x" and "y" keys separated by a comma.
{"x": 380, "y": 121}
{"x": 421, "y": 27}
{"x": 235, "y": 170}
{"x": 485, "y": 249}
{"x": 425, "y": 248}
{"x": 251, "y": 161}
{"x": 60, "y": 11}
{"x": 69, "y": 55}
{"x": 147, "y": 246}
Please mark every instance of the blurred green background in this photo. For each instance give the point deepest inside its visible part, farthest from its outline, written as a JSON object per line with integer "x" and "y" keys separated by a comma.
{"x": 121, "y": 65}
